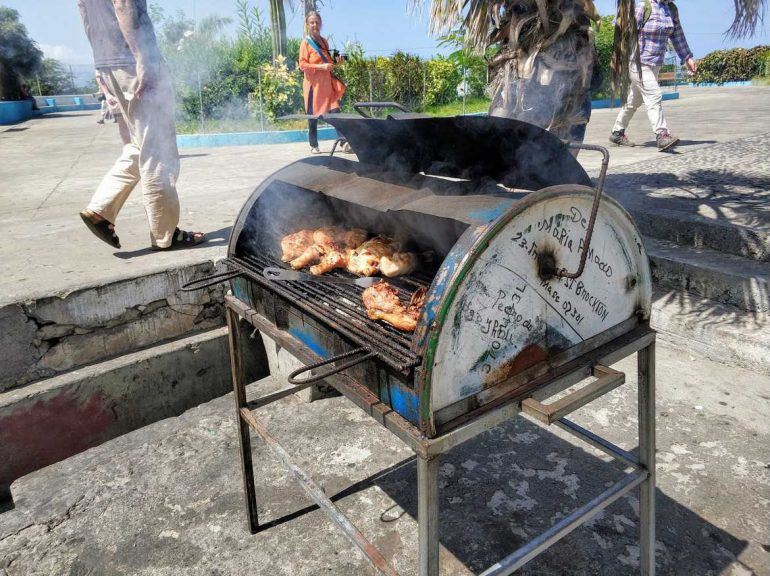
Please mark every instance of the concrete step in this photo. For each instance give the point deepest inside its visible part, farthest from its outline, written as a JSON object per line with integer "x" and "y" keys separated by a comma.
{"x": 722, "y": 278}
{"x": 55, "y": 418}
{"x": 700, "y": 232}
{"x": 720, "y": 332}
{"x": 52, "y": 335}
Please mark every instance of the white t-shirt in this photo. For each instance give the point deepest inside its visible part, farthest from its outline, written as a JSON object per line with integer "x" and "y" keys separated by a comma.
{"x": 107, "y": 42}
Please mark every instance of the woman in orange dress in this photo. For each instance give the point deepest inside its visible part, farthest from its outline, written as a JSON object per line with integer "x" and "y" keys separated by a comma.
{"x": 321, "y": 89}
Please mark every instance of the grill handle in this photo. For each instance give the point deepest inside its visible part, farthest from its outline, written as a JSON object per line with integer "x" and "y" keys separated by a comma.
{"x": 207, "y": 281}
{"x": 293, "y": 376}
{"x": 359, "y": 107}
{"x": 594, "y": 209}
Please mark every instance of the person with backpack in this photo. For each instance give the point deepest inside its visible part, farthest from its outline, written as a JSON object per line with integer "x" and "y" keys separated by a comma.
{"x": 658, "y": 23}
{"x": 322, "y": 89}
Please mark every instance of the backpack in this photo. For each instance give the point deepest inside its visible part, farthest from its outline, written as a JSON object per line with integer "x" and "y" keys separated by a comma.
{"x": 648, "y": 12}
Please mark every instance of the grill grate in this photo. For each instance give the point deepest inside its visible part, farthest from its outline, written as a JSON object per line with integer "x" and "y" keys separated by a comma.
{"x": 340, "y": 306}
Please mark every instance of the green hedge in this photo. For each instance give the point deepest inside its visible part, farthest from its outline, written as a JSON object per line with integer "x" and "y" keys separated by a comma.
{"x": 406, "y": 79}
{"x": 738, "y": 64}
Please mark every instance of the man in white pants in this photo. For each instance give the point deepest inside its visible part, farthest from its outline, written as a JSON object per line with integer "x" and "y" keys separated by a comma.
{"x": 658, "y": 22}
{"x": 131, "y": 71}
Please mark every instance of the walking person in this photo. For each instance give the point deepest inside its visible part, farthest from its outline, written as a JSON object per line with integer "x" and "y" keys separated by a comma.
{"x": 657, "y": 22}
{"x": 131, "y": 71}
{"x": 322, "y": 90}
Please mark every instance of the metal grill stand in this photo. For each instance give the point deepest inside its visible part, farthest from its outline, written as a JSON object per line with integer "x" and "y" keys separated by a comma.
{"x": 640, "y": 470}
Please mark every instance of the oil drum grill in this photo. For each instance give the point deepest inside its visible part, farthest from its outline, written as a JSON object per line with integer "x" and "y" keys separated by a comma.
{"x": 535, "y": 286}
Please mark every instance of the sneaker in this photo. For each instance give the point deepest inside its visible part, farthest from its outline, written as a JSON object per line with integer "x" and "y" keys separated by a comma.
{"x": 666, "y": 141}
{"x": 315, "y": 150}
{"x": 619, "y": 138}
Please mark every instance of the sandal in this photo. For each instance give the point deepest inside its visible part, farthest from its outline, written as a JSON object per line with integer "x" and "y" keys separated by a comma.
{"x": 102, "y": 229}
{"x": 183, "y": 239}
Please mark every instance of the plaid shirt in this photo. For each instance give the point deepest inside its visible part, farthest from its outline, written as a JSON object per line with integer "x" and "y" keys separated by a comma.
{"x": 661, "y": 27}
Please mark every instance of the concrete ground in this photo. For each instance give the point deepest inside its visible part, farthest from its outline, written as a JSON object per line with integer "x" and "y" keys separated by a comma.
{"x": 167, "y": 500}
{"x": 51, "y": 166}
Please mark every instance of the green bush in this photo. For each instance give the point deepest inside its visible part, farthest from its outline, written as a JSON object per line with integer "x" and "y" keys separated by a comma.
{"x": 404, "y": 80}
{"x": 604, "y": 39}
{"x": 735, "y": 65}
{"x": 281, "y": 89}
{"x": 442, "y": 78}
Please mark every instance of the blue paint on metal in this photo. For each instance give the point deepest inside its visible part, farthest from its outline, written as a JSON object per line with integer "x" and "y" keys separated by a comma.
{"x": 15, "y": 111}
{"x": 405, "y": 402}
{"x": 240, "y": 289}
{"x": 251, "y": 138}
{"x": 490, "y": 214}
{"x": 310, "y": 340}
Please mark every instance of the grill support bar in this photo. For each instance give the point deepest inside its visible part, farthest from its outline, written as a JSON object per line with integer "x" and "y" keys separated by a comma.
{"x": 429, "y": 452}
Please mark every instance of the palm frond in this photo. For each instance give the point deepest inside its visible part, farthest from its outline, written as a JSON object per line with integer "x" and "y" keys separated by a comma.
{"x": 748, "y": 15}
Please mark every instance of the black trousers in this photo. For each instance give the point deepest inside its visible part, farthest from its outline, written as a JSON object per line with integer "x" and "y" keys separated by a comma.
{"x": 312, "y": 125}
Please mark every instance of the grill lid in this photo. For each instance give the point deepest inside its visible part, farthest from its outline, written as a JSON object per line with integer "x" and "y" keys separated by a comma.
{"x": 514, "y": 153}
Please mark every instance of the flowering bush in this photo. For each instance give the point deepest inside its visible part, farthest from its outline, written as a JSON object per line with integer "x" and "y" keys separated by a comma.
{"x": 281, "y": 90}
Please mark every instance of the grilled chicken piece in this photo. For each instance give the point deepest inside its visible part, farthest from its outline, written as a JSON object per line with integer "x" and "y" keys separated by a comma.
{"x": 398, "y": 264}
{"x": 326, "y": 235}
{"x": 331, "y": 260}
{"x": 293, "y": 245}
{"x": 417, "y": 303}
{"x": 365, "y": 260}
{"x": 383, "y": 297}
{"x": 382, "y": 303}
{"x": 311, "y": 255}
{"x": 352, "y": 238}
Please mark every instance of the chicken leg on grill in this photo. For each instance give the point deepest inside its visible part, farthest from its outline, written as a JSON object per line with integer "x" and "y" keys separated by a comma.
{"x": 382, "y": 303}
{"x": 293, "y": 245}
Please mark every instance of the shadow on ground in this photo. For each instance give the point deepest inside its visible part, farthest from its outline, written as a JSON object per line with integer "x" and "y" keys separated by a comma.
{"x": 214, "y": 238}
{"x": 503, "y": 488}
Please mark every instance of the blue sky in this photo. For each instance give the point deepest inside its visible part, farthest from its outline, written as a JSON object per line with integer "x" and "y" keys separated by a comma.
{"x": 382, "y": 25}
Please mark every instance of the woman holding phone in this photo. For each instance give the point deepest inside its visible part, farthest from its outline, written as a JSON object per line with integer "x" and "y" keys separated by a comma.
{"x": 321, "y": 88}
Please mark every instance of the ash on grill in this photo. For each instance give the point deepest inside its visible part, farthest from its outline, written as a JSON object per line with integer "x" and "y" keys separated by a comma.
{"x": 514, "y": 311}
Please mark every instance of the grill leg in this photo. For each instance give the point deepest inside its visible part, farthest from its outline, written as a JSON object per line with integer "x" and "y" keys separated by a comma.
{"x": 646, "y": 375}
{"x": 239, "y": 391}
{"x": 427, "y": 515}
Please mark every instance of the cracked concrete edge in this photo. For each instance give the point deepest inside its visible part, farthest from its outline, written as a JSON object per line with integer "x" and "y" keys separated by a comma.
{"x": 699, "y": 232}
{"x": 45, "y": 337}
{"x": 719, "y": 332}
{"x": 53, "y": 419}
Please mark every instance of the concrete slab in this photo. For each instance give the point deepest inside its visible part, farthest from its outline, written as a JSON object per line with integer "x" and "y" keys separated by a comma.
{"x": 720, "y": 277}
{"x": 51, "y": 167}
{"x": 51, "y": 335}
{"x": 53, "y": 419}
{"x": 167, "y": 499}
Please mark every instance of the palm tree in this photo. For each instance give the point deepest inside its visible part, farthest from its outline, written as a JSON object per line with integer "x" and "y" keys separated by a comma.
{"x": 278, "y": 27}
{"x": 542, "y": 71}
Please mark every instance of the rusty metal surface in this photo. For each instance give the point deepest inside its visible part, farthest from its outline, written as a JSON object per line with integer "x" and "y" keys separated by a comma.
{"x": 499, "y": 316}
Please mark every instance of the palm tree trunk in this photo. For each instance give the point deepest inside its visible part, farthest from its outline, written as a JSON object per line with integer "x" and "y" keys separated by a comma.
{"x": 278, "y": 27}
